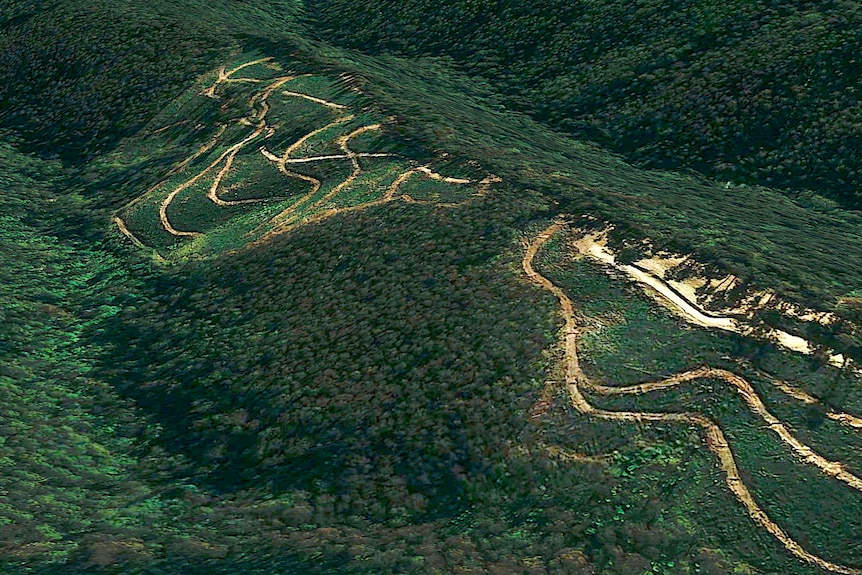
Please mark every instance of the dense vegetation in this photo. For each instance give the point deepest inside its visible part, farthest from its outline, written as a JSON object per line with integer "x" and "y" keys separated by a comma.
{"x": 757, "y": 233}
{"x": 75, "y": 77}
{"x": 369, "y": 394}
{"x": 347, "y": 349}
{"x": 755, "y": 92}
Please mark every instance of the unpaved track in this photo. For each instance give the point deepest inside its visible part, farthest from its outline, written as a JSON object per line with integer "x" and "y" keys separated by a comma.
{"x": 435, "y": 176}
{"x": 320, "y": 101}
{"x": 309, "y": 159}
{"x": 693, "y": 313}
{"x": 391, "y": 191}
{"x": 288, "y": 218}
{"x": 315, "y": 183}
{"x": 755, "y": 404}
{"x": 575, "y": 378}
{"x": 343, "y": 142}
{"x": 389, "y": 196}
{"x": 163, "y": 206}
{"x": 179, "y": 167}
{"x": 168, "y": 127}
{"x": 212, "y": 193}
{"x": 295, "y": 146}
{"x": 281, "y": 164}
{"x": 570, "y": 456}
{"x": 224, "y": 76}
{"x": 121, "y": 225}
{"x": 228, "y": 156}
{"x": 395, "y": 185}
{"x": 283, "y": 220}
{"x": 425, "y": 171}
{"x": 484, "y": 185}
{"x": 543, "y": 404}
{"x": 800, "y": 395}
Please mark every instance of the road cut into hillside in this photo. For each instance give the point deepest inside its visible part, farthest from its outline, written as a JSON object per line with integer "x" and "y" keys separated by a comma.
{"x": 305, "y": 209}
{"x": 594, "y": 247}
{"x": 576, "y": 381}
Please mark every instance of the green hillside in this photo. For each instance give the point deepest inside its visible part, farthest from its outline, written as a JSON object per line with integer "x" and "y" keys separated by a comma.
{"x": 274, "y": 305}
{"x": 754, "y": 92}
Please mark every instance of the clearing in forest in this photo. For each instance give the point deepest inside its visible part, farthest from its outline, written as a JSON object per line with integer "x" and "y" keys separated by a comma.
{"x": 583, "y": 391}
{"x": 283, "y": 150}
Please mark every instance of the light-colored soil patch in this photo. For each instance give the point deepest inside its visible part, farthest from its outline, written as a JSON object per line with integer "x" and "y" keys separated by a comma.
{"x": 681, "y": 299}
{"x": 576, "y": 380}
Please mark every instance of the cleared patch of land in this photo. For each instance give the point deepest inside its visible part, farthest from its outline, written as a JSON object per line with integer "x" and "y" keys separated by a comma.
{"x": 196, "y": 205}
{"x": 577, "y": 382}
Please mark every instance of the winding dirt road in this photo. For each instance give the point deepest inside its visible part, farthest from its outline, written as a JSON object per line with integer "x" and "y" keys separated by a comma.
{"x": 225, "y": 76}
{"x": 575, "y": 379}
{"x": 800, "y": 395}
{"x": 281, "y": 164}
{"x": 163, "y": 206}
{"x": 343, "y": 142}
{"x": 693, "y": 313}
{"x": 288, "y": 218}
{"x": 390, "y": 195}
{"x": 833, "y": 469}
{"x": 227, "y": 156}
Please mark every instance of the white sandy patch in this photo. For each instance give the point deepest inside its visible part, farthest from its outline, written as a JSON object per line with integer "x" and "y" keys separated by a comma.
{"x": 681, "y": 297}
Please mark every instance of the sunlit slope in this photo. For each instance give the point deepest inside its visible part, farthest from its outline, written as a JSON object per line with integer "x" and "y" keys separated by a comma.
{"x": 281, "y": 149}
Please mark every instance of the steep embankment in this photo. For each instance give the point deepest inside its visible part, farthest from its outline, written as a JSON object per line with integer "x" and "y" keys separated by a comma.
{"x": 592, "y": 246}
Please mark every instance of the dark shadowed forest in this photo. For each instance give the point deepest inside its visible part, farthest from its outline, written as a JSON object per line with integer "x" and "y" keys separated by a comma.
{"x": 751, "y": 92}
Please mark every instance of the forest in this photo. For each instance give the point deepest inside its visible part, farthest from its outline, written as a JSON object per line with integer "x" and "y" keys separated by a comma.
{"x": 378, "y": 387}
{"x": 746, "y": 92}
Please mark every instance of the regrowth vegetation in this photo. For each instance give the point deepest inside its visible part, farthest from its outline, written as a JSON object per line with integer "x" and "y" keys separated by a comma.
{"x": 254, "y": 178}
{"x": 577, "y": 384}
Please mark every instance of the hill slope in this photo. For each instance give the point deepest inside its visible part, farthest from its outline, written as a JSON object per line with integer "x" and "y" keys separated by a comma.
{"x": 343, "y": 360}
{"x": 753, "y": 92}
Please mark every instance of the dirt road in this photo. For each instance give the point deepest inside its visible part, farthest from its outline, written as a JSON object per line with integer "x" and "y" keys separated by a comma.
{"x": 716, "y": 442}
{"x": 690, "y": 310}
